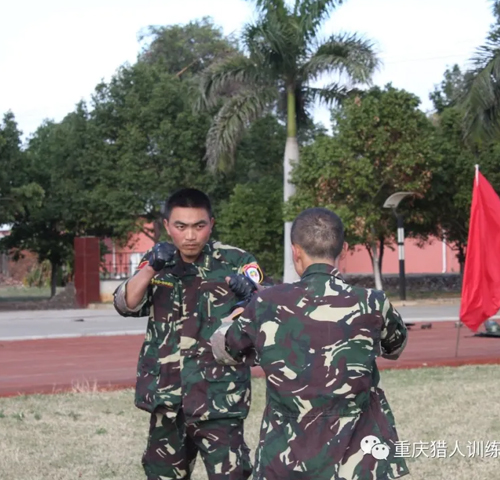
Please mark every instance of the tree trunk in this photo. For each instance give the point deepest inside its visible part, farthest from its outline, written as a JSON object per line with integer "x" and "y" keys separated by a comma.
{"x": 461, "y": 259}
{"x": 291, "y": 157}
{"x": 381, "y": 255}
{"x": 147, "y": 232}
{"x": 157, "y": 225}
{"x": 372, "y": 248}
{"x": 53, "y": 278}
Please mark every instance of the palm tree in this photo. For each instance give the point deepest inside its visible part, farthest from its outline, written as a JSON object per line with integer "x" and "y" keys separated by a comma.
{"x": 283, "y": 56}
{"x": 481, "y": 101}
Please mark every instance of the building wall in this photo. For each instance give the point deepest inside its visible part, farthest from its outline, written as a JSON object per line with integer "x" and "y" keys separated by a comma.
{"x": 434, "y": 257}
{"x": 122, "y": 261}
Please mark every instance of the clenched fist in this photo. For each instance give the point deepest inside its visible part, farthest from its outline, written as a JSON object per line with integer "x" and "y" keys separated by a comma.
{"x": 241, "y": 286}
{"x": 161, "y": 254}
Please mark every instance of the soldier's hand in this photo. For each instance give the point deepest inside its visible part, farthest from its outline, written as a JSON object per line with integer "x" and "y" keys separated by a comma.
{"x": 241, "y": 286}
{"x": 161, "y": 254}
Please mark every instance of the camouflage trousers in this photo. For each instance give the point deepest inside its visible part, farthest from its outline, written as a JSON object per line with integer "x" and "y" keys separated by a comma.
{"x": 173, "y": 446}
{"x": 324, "y": 446}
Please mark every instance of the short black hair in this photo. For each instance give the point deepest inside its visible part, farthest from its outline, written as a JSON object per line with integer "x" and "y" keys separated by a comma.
{"x": 188, "y": 198}
{"x": 320, "y": 233}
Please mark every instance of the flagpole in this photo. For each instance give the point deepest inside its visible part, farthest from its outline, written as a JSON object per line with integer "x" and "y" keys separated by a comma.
{"x": 458, "y": 336}
{"x": 459, "y": 325}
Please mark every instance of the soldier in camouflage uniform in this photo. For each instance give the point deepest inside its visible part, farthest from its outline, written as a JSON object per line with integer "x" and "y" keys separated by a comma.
{"x": 317, "y": 340}
{"x": 195, "y": 403}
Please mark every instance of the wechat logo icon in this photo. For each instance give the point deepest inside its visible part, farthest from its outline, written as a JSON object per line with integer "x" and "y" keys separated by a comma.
{"x": 371, "y": 445}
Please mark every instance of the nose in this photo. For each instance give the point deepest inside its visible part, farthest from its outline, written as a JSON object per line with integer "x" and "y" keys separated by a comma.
{"x": 190, "y": 234}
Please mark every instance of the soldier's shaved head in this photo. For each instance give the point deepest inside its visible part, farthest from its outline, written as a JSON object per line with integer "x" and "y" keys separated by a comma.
{"x": 319, "y": 232}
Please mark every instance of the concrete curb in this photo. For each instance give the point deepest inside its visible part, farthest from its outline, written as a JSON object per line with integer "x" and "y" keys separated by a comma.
{"x": 74, "y": 335}
{"x": 425, "y": 302}
{"x": 101, "y": 306}
{"x": 396, "y": 303}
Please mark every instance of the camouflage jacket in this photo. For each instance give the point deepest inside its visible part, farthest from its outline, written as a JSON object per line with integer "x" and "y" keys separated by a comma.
{"x": 317, "y": 341}
{"x": 185, "y": 304}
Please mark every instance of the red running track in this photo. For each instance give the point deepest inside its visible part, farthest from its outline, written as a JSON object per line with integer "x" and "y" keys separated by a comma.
{"x": 109, "y": 362}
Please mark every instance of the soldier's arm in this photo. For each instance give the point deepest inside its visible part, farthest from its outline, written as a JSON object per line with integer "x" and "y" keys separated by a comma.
{"x": 131, "y": 298}
{"x": 234, "y": 340}
{"x": 249, "y": 266}
{"x": 394, "y": 333}
{"x": 136, "y": 289}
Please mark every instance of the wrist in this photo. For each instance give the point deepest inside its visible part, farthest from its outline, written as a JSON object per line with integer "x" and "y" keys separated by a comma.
{"x": 150, "y": 271}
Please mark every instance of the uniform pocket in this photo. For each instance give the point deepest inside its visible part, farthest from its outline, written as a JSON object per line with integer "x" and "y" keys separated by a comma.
{"x": 227, "y": 373}
{"x": 216, "y": 301}
{"x": 148, "y": 370}
{"x": 228, "y": 391}
{"x": 149, "y": 366}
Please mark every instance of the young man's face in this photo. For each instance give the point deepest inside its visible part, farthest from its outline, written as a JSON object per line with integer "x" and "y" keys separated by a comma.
{"x": 190, "y": 229}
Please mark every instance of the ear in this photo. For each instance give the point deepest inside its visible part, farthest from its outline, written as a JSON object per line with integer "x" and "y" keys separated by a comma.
{"x": 343, "y": 252}
{"x": 212, "y": 223}
{"x": 295, "y": 253}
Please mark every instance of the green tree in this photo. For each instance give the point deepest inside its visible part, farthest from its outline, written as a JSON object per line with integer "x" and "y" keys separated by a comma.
{"x": 283, "y": 56}
{"x": 185, "y": 50}
{"x": 454, "y": 180}
{"x": 447, "y": 203}
{"x": 382, "y": 144}
{"x": 151, "y": 141}
{"x": 251, "y": 217}
{"x": 451, "y": 90}
{"x": 481, "y": 102}
{"x": 62, "y": 159}
{"x": 17, "y": 190}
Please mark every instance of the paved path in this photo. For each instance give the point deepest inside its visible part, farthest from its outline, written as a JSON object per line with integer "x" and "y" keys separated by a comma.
{"x": 33, "y": 325}
{"x": 23, "y": 325}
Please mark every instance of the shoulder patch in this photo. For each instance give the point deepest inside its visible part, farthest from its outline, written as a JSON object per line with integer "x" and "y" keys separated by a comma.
{"x": 142, "y": 264}
{"x": 253, "y": 272}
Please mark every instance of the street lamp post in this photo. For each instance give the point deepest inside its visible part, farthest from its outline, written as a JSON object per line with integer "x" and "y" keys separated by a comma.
{"x": 392, "y": 202}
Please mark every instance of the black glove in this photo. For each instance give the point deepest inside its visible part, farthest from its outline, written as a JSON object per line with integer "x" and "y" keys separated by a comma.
{"x": 161, "y": 254}
{"x": 242, "y": 287}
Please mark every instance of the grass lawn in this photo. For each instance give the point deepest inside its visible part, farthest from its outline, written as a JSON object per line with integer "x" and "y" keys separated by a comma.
{"x": 18, "y": 294}
{"x": 96, "y": 435}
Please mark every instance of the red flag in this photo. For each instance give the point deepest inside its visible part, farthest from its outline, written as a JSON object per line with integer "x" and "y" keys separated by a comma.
{"x": 481, "y": 282}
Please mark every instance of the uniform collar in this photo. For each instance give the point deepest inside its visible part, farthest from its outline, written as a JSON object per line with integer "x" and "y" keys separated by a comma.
{"x": 320, "y": 269}
{"x": 203, "y": 262}
{"x": 205, "y": 259}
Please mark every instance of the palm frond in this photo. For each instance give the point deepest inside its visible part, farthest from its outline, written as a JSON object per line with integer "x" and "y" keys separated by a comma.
{"x": 230, "y": 122}
{"x": 482, "y": 99}
{"x": 311, "y": 14}
{"x": 226, "y": 77}
{"x": 272, "y": 42}
{"x": 331, "y": 94}
{"x": 343, "y": 54}
{"x": 267, "y": 6}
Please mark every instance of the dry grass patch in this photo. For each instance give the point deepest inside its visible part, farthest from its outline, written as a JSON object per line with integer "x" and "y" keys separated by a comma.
{"x": 101, "y": 435}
